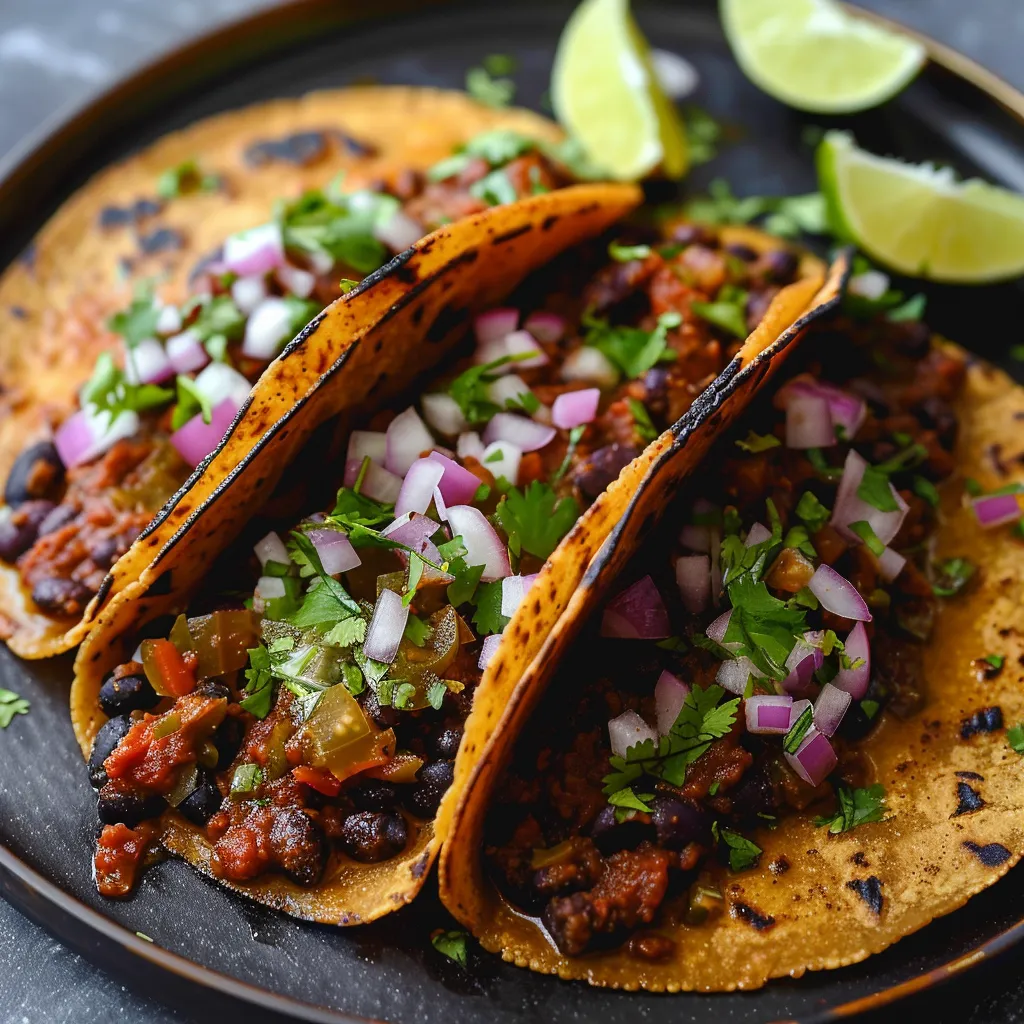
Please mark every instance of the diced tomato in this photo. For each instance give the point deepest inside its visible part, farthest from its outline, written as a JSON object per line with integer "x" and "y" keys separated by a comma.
{"x": 317, "y": 778}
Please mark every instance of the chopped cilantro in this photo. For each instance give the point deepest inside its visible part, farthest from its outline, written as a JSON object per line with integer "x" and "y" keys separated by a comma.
{"x": 951, "y": 575}
{"x": 787, "y": 216}
{"x": 995, "y": 660}
{"x": 625, "y": 253}
{"x": 401, "y": 694}
{"x": 870, "y": 708}
{"x": 496, "y": 147}
{"x": 471, "y": 389}
{"x": 191, "y": 402}
{"x": 488, "y": 618}
{"x": 632, "y": 350}
{"x": 798, "y": 537}
{"x": 743, "y": 853}
{"x": 754, "y": 443}
{"x": 574, "y": 439}
{"x": 792, "y": 740}
{"x": 492, "y": 91}
{"x": 866, "y": 532}
{"x": 972, "y": 487}
{"x": 764, "y": 627}
{"x": 346, "y": 284}
{"x": 535, "y": 519}
{"x": 10, "y": 705}
{"x": 821, "y": 467}
{"x": 412, "y": 579}
{"x": 259, "y": 682}
{"x": 641, "y": 419}
{"x": 138, "y": 321}
{"x": 1015, "y": 737}
{"x": 109, "y": 391}
{"x": 436, "y": 692}
{"x": 353, "y": 510}
{"x": 728, "y": 311}
{"x": 627, "y": 800}
{"x": 326, "y": 601}
{"x": 352, "y": 677}
{"x": 702, "y": 135}
{"x": 876, "y": 490}
{"x": 811, "y": 511}
{"x": 417, "y": 632}
{"x": 452, "y": 944}
{"x": 912, "y": 309}
{"x": 347, "y": 632}
{"x": 185, "y": 178}
{"x": 926, "y": 490}
{"x": 495, "y": 189}
{"x": 856, "y": 807}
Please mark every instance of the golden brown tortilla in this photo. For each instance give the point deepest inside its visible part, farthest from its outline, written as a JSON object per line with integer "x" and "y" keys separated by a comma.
{"x": 54, "y": 303}
{"x": 924, "y": 860}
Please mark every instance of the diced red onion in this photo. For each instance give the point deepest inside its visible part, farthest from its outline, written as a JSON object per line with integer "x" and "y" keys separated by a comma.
{"x": 502, "y": 459}
{"x": 442, "y": 412}
{"x": 483, "y": 545}
{"x": 220, "y": 381}
{"x": 457, "y": 485}
{"x": 494, "y": 325}
{"x": 574, "y": 408}
{"x": 367, "y": 444}
{"x": 271, "y": 549}
{"x": 869, "y": 284}
{"x": 734, "y": 674}
{"x": 407, "y": 439}
{"x": 257, "y": 251}
{"x": 147, "y": 363}
{"x": 417, "y": 490}
{"x": 768, "y": 714}
{"x": 440, "y": 505}
{"x": 411, "y": 530}
{"x": 669, "y": 694}
{"x": 814, "y": 758}
{"x": 248, "y": 292}
{"x": 589, "y": 364}
{"x": 803, "y": 661}
{"x": 387, "y": 624}
{"x": 829, "y": 709}
{"x": 757, "y": 535}
{"x": 716, "y": 631}
{"x": 87, "y": 433}
{"x": 693, "y": 576}
{"x": 513, "y": 590}
{"x": 378, "y": 483}
{"x": 168, "y": 320}
{"x": 838, "y": 595}
{"x": 488, "y": 649}
{"x": 298, "y": 282}
{"x": 845, "y": 410}
{"x": 546, "y": 327}
{"x": 627, "y": 730}
{"x": 270, "y": 587}
{"x": 399, "y": 232}
{"x": 851, "y": 509}
{"x": 269, "y": 326}
{"x": 469, "y": 444}
{"x": 186, "y": 352}
{"x": 638, "y": 613}
{"x": 507, "y": 388}
{"x": 996, "y": 509}
{"x": 527, "y": 435}
{"x": 809, "y": 423}
{"x": 696, "y": 538}
{"x": 890, "y": 564}
{"x": 518, "y": 343}
{"x": 196, "y": 439}
{"x": 855, "y": 681}
{"x": 335, "y": 551}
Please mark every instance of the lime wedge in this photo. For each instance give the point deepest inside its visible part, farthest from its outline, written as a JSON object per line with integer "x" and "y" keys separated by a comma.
{"x": 919, "y": 219}
{"x": 606, "y": 95}
{"x": 812, "y": 55}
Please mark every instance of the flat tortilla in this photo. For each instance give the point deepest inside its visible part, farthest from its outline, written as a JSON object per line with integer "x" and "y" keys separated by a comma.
{"x": 55, "y": 302}
{"x": 853, "y": 894}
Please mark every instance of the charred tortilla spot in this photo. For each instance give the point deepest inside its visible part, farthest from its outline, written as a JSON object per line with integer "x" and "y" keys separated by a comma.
{"x": 970, "y": 775}
{"x": 161, "y": 240}
{"x": 779, "y": 866}
{"x": 991, "y": 854}
{"x": 986, "y": 720}
{"x": 352, "y": 145}
{"x": 27, "y": 257}
{"x": 114, "y": 217}
{"x": 549, "y": 222}
{"x": 421, "y": 865}
{"x": 446, "y": 321}
{"x": 146, "y": 208}
{"x": 523, "y": 229}
{"x": 757, "y": 920}
{"x": 19, "y": 312}
{"x": 300, "y": 149}
{"x": 406, "y": 274}
{"x": 870, "y": 891}
{"x": 968, "y": 800}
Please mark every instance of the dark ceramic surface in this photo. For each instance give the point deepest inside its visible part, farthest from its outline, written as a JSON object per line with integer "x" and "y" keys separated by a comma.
{"x": 388, "y": 970}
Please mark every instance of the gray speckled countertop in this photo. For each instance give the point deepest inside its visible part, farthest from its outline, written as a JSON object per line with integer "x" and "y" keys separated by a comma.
{"x": 54, "y": 54}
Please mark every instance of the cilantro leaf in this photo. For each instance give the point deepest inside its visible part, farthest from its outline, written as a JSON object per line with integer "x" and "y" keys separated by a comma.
{"x": 259, "y": 678}
{"x": 535, "y": 519}
{"x": 743, "y": 853}
{"x": 486, "y": 89}
{"x": 728, "y": 311}
{"x": 352, "y": 510}
{"x": 471, "y": 389}
{"x": 109, "y": 391}
{"x": 951, "y": 575}
{"x": 497, "y": 147}
{"x": 488, "y": 618}
{"x": 10, "y": 705}
{"x": 926, "y": 490}
{"x": 876, "y": 490}
{"x": 811, "y": 511}
{"x": 191, "y": 402}
{"x": 138, "y": 321}
{"x": 866, "y": 532}
{"x": 346, "y": 633}
{"x": 856, "y": 807}
{"x": 625, "y": 253}
{"x": 632, "y": 350}
{"x": 758, "y": 442}
{"x": 184, "y": 178}
{"x": 452, "y": 944}
{"x": 628, "y": 800}
{"x": 642, "y": 419}
{"x": 1015, "y": 737}
{"x": 326, "y": 601}
{"x": 417, "y": 632}
{"x": 495, "y": 189}
{"x": 436, "y": 693}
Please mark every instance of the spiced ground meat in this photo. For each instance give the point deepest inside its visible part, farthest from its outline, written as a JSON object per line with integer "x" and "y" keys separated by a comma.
{"x": 597, "y": 875}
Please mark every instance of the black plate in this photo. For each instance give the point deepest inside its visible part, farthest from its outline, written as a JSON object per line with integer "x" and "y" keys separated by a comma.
{"x": 212, "y": 949}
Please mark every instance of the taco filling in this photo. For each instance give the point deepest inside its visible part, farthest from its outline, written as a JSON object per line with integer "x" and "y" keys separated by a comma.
{"x": 783, "y": 616}
{"x": 319, "y": 719}
{"x": 151, "y": 414}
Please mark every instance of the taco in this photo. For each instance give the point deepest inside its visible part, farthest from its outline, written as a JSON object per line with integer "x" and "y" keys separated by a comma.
{"x": 136, "y": 323}
{"x": 297, "y": 739}
{"x": 780, "y": 747}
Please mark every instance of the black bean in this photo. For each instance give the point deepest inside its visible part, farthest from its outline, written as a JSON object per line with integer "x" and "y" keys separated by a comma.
{"x": 114, "y": 807}
{"x": 214, "y": 690}
{"x": 610, "y": 835}
{"x": 595, "y": 474}
{"x": 204, "y": 801}
{"x": 57, "y": 517}
{"x": 374, "y": 795}
{"x": 937, "y": 414}
{"x": 679, "y": 822}
{"x": 912, "y": 338}
{"x": 111, "y": 733}
{"x": 754, "y": 795}
{"x": 434, "y": 779}
{"x": 690, "y": 234}
{"x": 21, "y": 529}
{"x": 61, "y": 597}
{"x": 781, "y": 264}
{"x": 385, "y": 717}
{"x": 299, "y": 846}
{"x": 445, "y": 743}
{"x": 37, "y": 473}
{"x": 228, "y": 741}
{"x": 743, "y": 252}
{"x": 127, "y": 693}
{"x": 104, "y": 552}
{"x": 373, "y": 836}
